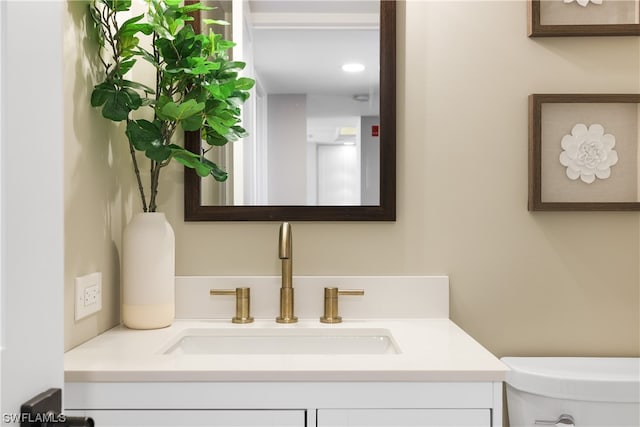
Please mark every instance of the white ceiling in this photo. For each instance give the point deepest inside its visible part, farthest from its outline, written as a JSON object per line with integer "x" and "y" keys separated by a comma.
{"x": 300, "y": 45}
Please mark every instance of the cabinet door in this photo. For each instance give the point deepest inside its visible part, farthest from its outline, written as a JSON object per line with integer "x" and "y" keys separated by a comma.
{"x": 194, "y": 418}
{"x": 404, "y": 417}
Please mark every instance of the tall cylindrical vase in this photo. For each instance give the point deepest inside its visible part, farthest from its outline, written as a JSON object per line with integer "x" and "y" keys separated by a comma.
{"x": 148, "y": 272}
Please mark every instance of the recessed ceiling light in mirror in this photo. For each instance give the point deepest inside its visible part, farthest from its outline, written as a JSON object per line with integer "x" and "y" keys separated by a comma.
{"x": 353, "y": 67}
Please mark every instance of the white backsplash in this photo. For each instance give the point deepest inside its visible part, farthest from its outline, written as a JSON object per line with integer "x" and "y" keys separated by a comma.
{"x": 386, "y": 297}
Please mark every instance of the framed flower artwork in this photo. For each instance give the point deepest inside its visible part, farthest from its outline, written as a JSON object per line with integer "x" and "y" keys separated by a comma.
{"x": 551, "y": 18}
{"x": 583, "y": 152}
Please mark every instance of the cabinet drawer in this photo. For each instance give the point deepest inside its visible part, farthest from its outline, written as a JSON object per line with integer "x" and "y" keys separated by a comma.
{"x": 404, "y": 417}
{"x": 194, "y": 418}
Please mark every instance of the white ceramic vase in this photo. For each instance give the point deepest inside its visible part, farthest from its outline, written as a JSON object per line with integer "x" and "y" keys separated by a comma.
{"x": 148, "y": 272}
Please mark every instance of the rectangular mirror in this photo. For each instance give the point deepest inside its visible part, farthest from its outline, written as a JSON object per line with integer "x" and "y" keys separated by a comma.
{"x": 321, "y": 144}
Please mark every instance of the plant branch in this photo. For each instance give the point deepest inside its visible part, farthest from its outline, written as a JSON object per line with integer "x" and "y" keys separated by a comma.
{"x": 97, "y": 14}
{"x": 111, "y": 39}
{"x": 138, "y": 178}
{"x": 155, "y": 176}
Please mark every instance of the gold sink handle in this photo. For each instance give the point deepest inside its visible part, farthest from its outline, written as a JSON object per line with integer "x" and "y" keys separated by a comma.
{"x": 331, "y": 303}
{"x": 243, "y": 303}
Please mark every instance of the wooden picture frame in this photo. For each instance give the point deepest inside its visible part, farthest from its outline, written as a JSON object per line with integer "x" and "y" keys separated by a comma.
{"x": 553, "y": 18}
{"x": 554, "y": 184}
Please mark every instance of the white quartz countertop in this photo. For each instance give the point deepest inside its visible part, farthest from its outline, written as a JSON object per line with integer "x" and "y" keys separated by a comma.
{"x": 432, "y": 349}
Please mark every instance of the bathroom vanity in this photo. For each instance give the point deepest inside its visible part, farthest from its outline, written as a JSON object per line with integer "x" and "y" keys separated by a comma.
{"x": 389, "y": 363}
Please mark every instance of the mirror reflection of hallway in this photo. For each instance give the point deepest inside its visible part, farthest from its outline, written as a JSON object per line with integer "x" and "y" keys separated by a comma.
{"x": 303, "y": 100}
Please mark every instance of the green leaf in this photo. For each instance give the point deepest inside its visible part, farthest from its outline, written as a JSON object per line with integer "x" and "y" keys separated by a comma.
{"x": 222, "y": 91}
{"x": 235, "y": 101}
{"x": 175, "y": 25}
{"x": 144, "y": 134}
{"x": 167, "y": 50}
{"x": 243, "y": 96}
{"x": 128, "y": 42}
{"x": 158, "y": 19}
{"x": 202, "y": 170}
{"x": 125, "y": 66}
{"x": 146, "y": 29}
{"x": 211, "y": 41}
{"x": 147, "y": 56}
{"x": 192, "y": 123}
{"x": 225, "y": 44}
{"x": 196, "y": 6}
{"x": 223, "y": 117}
{"x": 162, "y": 101}
{"x": 233, "y": 66}
{"x": 215, "y": 171}
{"x": 118, "y": 5}
{"x": 130, "y": 27}
{"x": 101, "y": 93}
{"x": 197, "y": 93}
{"x": 244, "y": 83}
{"x": 132, "y": 99}
{"x": 192, "y": 160}
{"x": 202, "y": 66}
{"x": 214, "y": 22}
{"x": 239, "y": 131}
{"x": 202, "y": 166}
{"x": 158, "y": 154}
{"x": 182, "y": 111}
{"x": 215, "y": 124}
{"x": 213, "y": 138}
{"x": 118, "y": 102}
{"x": 116, "y": 108}
{"x": 231, "y": 136}
{"x": 130, "y": 21}
{"x": 136, "y": 85}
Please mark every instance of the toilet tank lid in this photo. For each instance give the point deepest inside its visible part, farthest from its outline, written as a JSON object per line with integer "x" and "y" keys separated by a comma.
{"x": 607, "y": 379}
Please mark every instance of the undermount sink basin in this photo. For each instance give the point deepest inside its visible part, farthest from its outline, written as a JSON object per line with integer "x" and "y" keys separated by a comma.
{"x": 283, "y": 341}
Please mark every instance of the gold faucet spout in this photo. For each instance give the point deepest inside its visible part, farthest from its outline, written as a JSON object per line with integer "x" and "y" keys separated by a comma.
{"x": 285, "y": 241}
{"x": 285, "y": 252}
{"x": 284, "y": 246}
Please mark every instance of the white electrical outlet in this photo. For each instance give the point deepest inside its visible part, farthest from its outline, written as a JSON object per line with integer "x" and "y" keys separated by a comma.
{"x": 88, "y": 295}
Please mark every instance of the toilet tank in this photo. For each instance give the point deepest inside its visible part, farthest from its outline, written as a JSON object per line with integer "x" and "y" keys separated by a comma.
{"x": 580, "y": 391}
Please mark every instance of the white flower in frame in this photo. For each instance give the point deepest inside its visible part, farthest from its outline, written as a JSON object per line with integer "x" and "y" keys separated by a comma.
{"x": 588, "y": 153}
{"x": 584, "y": 3}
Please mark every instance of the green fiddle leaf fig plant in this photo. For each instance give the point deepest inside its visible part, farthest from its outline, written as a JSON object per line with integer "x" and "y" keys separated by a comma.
{"x": 197, "y": 87}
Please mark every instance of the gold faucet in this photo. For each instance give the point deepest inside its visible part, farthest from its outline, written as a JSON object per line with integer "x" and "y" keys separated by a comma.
{"x": 286, "y": 291}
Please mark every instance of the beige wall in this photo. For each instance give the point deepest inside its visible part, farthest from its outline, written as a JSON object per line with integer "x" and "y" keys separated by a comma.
{"x": 96, "y": 184}
{"x": 521, "y": 283}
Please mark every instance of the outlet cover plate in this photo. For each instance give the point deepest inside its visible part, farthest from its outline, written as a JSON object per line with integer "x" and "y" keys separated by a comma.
{"x": 88, "y": 295}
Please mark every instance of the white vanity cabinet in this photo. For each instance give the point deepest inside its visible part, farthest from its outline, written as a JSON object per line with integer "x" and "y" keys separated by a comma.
{"x": 290, "y": 418}
{"x": 193, "y": 418}
{"x": 403, "y": 417}
{"x": 287, "y": 404}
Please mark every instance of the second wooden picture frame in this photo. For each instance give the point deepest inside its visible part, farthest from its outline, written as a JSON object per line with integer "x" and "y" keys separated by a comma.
{"x": 584, "y": 152}
{"x": 577, "y": 18}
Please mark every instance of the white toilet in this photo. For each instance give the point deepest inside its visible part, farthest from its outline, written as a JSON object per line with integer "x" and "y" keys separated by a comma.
{"x": 573, "y": 391}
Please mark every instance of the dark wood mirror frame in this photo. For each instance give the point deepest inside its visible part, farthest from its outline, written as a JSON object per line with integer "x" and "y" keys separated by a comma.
{"x": 386, "y": 211}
